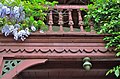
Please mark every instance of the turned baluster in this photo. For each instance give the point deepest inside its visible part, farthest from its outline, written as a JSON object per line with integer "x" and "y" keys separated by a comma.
{"x": 70, "y": 20}
{"x": 60, "y": 21}
{"x": 50, "y": 21}
{"x": 81, "y": 23}
{"x": 92, "y": 26}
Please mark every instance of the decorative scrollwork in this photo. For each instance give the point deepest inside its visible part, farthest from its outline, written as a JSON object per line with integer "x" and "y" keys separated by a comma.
{"x": 9, "y": 65}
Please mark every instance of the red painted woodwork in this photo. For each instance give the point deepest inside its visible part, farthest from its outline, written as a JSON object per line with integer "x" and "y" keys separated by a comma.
{"x": 69, "y": 11}
{"x": 73, "y": 2}
{"x": 56, "y": 46}
{"x": 67, "y": 70}
{"x": 1, "y": 64}
{"x": 22, "y": 66}
{"x": 81, "y": 23}
{"x": 50, "y": 21}
{"x": 60, "y": 20}
{"x": 70, "y": 20}
{"x": 52, "y": 46}
{"x": 70, "y": 6}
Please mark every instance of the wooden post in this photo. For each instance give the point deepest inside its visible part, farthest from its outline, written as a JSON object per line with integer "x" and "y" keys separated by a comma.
{"x": 81, "y": 23}
{"x": 50, "y": 22}
{"x": 92, "y": 27}
{"x": 1, "y": 64}
{"x": 61, "y": 21}
{"x": 70, "y": 20}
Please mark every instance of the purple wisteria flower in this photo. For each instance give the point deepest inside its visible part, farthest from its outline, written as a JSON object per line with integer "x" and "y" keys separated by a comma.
{"x": 6, "y": 30}
{"x": 17, "y": 15}
{"x": 3, "y": 11}
{"x": 33, "y": 28}
{"x": 21, "y": 8}
{"x": 0, "y": 12}
{"x": 22, "y": 17}
{"x": 14, "y": 15}
{"x": 16, "y": 10}
{"x": 11, "y": 13}
{"x": 7, "y": 11}
{"x": 16, "y": 26}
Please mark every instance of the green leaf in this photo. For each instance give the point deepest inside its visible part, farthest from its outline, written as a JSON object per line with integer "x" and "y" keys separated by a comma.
{"x": 117, "y": 73}
{"x": 118, "y": 54}
{"x": 108, "y": 72}
{"x": 90, "y": 6}
{"x": 97, "y": 19}
{"x": 31, "y": 18}
{"x": 82, "y": 9}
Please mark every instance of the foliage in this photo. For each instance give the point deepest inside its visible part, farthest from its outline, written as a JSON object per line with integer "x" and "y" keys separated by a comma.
{"x": 106, "y": 17}
{"x": 34, "y": 10}
{"x": 28, "y": 14}
{"x": 115, "y": 70}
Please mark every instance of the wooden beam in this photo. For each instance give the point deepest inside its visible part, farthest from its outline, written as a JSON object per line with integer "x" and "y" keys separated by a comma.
{"x": 71, "y": 6}
{"x": 65, "y": 72}
{"x": 56, "y": 56}
{"x": 1, "y": 64}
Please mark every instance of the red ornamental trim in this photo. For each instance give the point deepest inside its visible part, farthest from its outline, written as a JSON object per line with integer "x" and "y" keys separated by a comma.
{"x": 22, "y": 66}
{"x": 47, "y": 50}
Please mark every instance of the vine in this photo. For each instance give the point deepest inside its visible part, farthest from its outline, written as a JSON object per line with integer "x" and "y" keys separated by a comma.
{"x": 106, "y": 17}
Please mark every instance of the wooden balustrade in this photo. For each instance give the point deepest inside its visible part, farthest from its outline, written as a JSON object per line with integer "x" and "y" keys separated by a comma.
{"x": 69, "y": 10}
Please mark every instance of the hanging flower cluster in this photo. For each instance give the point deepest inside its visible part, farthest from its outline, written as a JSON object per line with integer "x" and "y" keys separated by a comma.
{"x": 10, "y": 29}
{"x": 13, "y": 14}
{"x": 21, "y": 17}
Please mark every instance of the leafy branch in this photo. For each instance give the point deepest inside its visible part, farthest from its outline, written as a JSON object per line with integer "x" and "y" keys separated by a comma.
{"x": 106, "y": 17}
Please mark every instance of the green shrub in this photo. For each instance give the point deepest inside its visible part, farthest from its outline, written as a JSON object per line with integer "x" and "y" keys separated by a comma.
{"x": 106, "y": 17}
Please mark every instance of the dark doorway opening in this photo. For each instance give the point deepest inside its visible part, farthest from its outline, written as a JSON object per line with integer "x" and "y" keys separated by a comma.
{"x": 67, "y": 70}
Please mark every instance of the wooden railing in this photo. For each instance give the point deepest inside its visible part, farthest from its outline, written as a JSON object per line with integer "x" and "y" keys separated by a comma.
{"x": 60, "y": 22}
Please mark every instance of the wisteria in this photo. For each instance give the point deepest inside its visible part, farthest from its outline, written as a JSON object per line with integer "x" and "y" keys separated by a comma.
{"x": 15, "y": 12}
{"x": 19, "y": 18}
{"x": 7, "y": 30}
{"x": 22, "y": 34}
{"x": 17, "y": 15}
{"x": 33, "y": 28}
{"x": 10, "y": 29}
